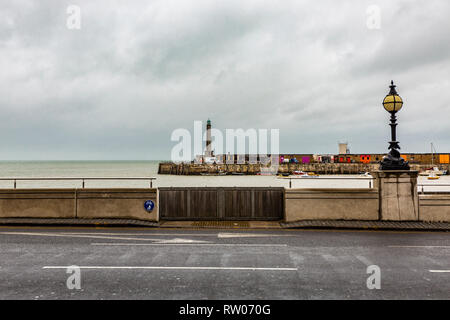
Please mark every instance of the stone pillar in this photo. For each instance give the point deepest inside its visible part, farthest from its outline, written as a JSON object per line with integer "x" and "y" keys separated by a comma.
{"x": 397, "y": 190}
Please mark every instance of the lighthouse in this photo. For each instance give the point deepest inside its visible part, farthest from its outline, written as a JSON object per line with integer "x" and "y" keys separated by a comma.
{"x": 208, "y": 151}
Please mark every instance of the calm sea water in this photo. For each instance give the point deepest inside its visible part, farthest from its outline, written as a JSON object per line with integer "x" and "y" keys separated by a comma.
{"x": 124, "y": 169}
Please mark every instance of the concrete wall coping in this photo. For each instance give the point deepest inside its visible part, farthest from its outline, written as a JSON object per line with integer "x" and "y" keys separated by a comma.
{"x": 331, "y": 190}
{"x": 78, "y": 190}
{"x": 222, "y": 188}
{"x": 434, "y": 194}
{"x": 396, "y": 173}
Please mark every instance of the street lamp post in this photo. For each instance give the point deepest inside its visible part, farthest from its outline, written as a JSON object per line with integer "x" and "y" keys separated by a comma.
{"x": 393, "y": 161}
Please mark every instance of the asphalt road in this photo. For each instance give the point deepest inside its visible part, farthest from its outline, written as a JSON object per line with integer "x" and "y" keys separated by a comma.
{"x": 221, "y": 264}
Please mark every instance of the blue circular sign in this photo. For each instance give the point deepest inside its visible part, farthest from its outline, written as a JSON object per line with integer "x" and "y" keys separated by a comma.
{"x": 149, "y": 205}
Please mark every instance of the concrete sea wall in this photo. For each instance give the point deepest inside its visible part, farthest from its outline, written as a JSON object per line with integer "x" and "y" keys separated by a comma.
{"x": 331, "y": 204}
{"x": 253, "y": 169}
{"x": 400, "y": 204}
{"x": 434, "y": 207}
{"x": 78, "y": 204}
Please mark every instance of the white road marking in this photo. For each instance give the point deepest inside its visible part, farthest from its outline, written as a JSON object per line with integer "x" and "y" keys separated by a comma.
{"x": 88, "y": 236}
{"x": 188, "y": 244}
{"x": 364, "y": 260}
{"x": 330, "y": 258}
{"x": 75, "y": 236}
{"x": 247, "y": 235}
{"x": 176, "y": 268}
{"x": 156, "y": 241}
{"x": 178, "y": 240}
{"x": 141, "y": 234}
{"x": 440, "y": 271}
{"x": 219, "y": 235}
{"x": 426, "y": 247}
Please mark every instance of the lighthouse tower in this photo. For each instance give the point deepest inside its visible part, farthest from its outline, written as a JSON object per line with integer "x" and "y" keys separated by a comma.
{"x": 208, "y": 151}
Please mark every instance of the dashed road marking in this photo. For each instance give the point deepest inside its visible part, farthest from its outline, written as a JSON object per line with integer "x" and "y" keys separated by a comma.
{"x": 175, "y": 268}
{"x": 141, "y": 234}
{"x": 178, "y": 241}
{"x": 76, "y": 236}
{"x": 364, "y": 260}
{"x": 157, "y": 240}
{"x": 188, "y": 244}
{"x": 425, "y": 247}
{"x": 247, "y": 235}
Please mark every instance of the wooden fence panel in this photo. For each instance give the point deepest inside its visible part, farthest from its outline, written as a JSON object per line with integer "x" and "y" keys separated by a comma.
{"x": 216, "y": 203}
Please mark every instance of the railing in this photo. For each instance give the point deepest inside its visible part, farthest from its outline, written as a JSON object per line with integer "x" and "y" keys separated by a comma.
{"x": 309, "y": 178}
{"x": 82, "y": 180}
{"x": 421, "y": 185}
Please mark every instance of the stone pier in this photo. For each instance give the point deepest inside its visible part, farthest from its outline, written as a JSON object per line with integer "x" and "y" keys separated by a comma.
{"x": 285, "y": 168}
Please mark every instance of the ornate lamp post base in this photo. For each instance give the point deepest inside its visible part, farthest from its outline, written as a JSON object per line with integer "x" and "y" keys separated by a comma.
{"x": 393, "y": 161}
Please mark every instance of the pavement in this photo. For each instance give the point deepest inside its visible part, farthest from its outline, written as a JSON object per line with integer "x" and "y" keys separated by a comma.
{"x": 176, "y": 263}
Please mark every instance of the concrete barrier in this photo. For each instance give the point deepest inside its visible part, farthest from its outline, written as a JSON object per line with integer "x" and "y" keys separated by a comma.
{"x": 116, "y": 203}
{"x": 78, "y": 203}
{"x": 434, "y": 207}
{"x": 45, "y": 203}
{"x": 299, "y": 204}
{"x": 331, "y": 204}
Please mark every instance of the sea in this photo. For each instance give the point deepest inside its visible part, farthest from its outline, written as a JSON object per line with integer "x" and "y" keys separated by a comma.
{"x": 149, "y": 169}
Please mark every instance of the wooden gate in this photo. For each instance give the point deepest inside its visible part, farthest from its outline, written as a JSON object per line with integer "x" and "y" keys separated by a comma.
{"x": 238, "y": 203}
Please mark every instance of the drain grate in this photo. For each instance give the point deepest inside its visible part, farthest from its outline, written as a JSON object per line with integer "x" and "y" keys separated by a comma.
{"x": 221, "y": 224}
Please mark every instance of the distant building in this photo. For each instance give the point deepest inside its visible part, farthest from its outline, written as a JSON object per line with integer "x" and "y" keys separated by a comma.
{"x": 343, "y": 148}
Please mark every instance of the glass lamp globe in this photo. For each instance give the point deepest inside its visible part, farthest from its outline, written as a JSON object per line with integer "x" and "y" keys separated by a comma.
{"x": 393, "y": 102}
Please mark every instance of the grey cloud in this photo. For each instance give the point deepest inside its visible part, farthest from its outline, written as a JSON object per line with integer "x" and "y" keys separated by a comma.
{"x": 138, "y": 70}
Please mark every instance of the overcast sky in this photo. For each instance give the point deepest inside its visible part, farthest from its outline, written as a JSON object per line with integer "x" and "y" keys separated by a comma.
{"x": 137, "y": 70}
